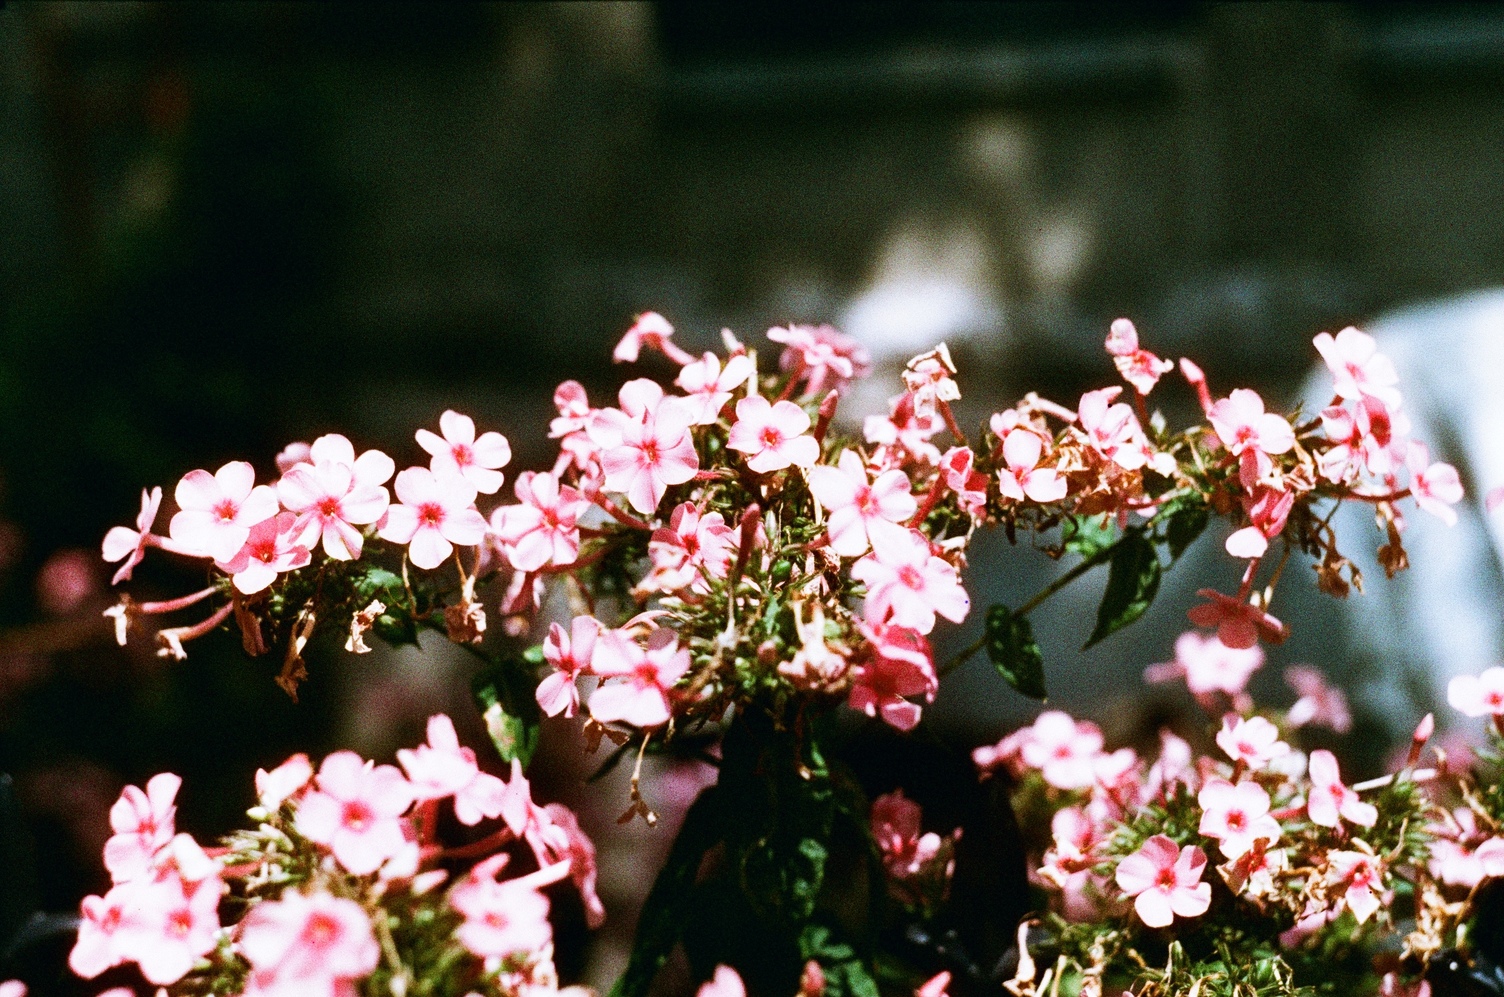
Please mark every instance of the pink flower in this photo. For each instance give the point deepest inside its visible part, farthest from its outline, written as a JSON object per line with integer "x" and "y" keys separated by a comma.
{"x": 169, "y": 926}
{"x": 124, "y": 543}
{"x": 690, "y": 548}
{"x": 283, "y": 782}
{"x": 1253, "y": 741}
{"x": 1363, "y": 877}
{"x": 651, "y": 330}
{"x": 1455, "y": 850}
{"x": 893, "y": 665}
{"x": 544, "y": 528}
{"x": 907, "y": 584}
{"x": 308, "y": 944}
{"x": 460, "y": 452}
{"x": 725, "y": 983}
{"x": 1477, "y": 696}
{"x": 1363, "y": 437}
{"x": 272, "y": 548}
{"x": 437, "y": 512}
{"x": 569, "y": 655}
{"x": 569, "y": 428}
{"x": 1238, "y": 624}
{"x": 708, "y": 386}
{"x": 1435, "y": 487}
{"x": 854, "y": 503}
{"x": 1236, "y": 816}
{"x": 218, "y": 510}
{"x": 1329, "y": 798}
{"x": 503, "y": 919}
{"x": 1111, "y": 430}
{"x": 642, "y": 699}
{"x": 772, "y": 436}
{"x": 98, "y": 945}
{"x": 443, "y": 767}
{"x": 335, "y": 493}
{"x": 1245, "y": 428}
{"x": 356, "y": 811}
{"x": 961, "y": 477}
{"x": 143, "y": 824}
{"x": 906, "y": 850}
{"x": 580, "y": 851}
{"x": 1023, "y": 477}
{"x": 1165, "y": 881}
{"x": 1208, "y": 665}
{"x": 1064, "y": 751}
{"x": 904, "y": 430}
{"x": 821, "y": 356}
{"x": 1139, "y": 368}
{"x": 12, "y": 988}
{"x": 1357, "y": 366}
{"x": 645, "y": 445}
{"x": 1320, "y": 702}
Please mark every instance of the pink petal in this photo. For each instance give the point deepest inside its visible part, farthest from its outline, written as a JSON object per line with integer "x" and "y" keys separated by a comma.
{"x": 492, "y": 450}
{"x": 429, "y": 548}
{"x": 374, "y": 468}
{"x": 457, "y": 428}
{"x": 120, "y": 543}
{"x": 1249, "y": 542}
{"x": 236, "y": 479}
{"x": 431, "y": 442}
{"x": 401, "y": 524}
{"x": 334, "y": 448}
{"x": 197, "y": 491}
{"x": 1154, "y": 908}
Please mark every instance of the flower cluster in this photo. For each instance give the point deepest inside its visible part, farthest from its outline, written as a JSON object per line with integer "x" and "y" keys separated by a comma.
{"x": 343, "y": 880}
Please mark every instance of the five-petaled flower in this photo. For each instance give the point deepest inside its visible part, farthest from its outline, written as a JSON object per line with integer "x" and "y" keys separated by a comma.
{"x": 772, "y": 436}
{"x": 906, "y": 583}
{"x": 334, "y": 493}
{"x": 436, "y": 513}
{"x": 894, "y": 664}
{"x": 1329, "y": 799}
{"x": 356, "y": 811}
{"x": 1478, "y": 695}
{"x": 460, "y": 451}
{"x": 1236, "y": 816}
{"x": 125, "y": 544}
{"x": 218, "y": 510}
{"x": 569, "y": 655}
{"x": 1165, "y": 881}
{"x": 1253, "y": 741}
{"x": 543, "y": 528}
{"x": 641, "y": 696}
{"x": 645, "y": 446}
{"x": 854, "y": 502}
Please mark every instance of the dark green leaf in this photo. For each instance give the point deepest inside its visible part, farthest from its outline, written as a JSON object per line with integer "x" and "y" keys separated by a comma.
{"x": 1014, "y": 652}
{"x": 1183, "y": 526}
{"x": 504, "y": 691}
{"x": 1132, "y": 581}
{"x": 845, "y": 974}
{"x": 1088, "y": 535}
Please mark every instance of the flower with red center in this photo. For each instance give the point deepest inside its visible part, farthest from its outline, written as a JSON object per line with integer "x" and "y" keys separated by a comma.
{"x": 1236, "y": 816}
{"x": 772, "y": 436}
{"x": 1250, "y": 433}
{"x": 143, "y": 824}
{"x": 1111, "y": 430}
{"x": 460, "y": 451}
{"x": 1253, "y": 741}
{"x": 356, "y": 811}
{"x": 1329, "y": 799}
{"x": 97, "y": 948}
{"x": 569, "y": 655}
{"x": 1023, "y": 477}
{"x": 892, "y": 666}
{"x": 1478, "y": 695}
{"x": 1435, "y": 487}
{"x": 443, "y": 767}
{"x": 854, "y": 503}
{"x": 903, "y": 434}
{"x": 1208, "y": 665}
{"x": 690, "y": 548}
{"x": 1165, "y": 881}
{"x": 273, "y": 547}
{"x": 308, "y": 944}
{"x": 544, "y": 528}
{"x": 334, "y": 493}
{"x": 906, "y": 849}
{"x": 124, "y": 543}
{"x": 1238, "y": 624}
{"x": 218, "y": 510}
{"x": 962, "y": 478}
{"x": 1064, "y": 751}
{"x": 1139, "y": 368}
{"x": 504, "y": 918}
{"x": 1363, "y": 877}
{"x": 168, "y": 928}
{"x": 645, "y": 446}
{"x": 641, "y": 697}
{"x": 820, "y": 356}
{"x": 436, "y": 513}
{"x": 708, "y": 386}
{"x": 907, "y": 584}
{"x": 1357, "y": 366}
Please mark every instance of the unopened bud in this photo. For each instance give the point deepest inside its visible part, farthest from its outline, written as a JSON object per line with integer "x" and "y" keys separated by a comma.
{"x": 1418, "y": 740}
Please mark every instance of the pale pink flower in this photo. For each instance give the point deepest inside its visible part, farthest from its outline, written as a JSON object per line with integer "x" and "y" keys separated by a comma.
{"x": 906, "y": 583}
{"x": 356, "y": 811}
{"x": 124, "y": 543}
{"x": 1364, "y": 879}
{"x": 143, "y": 824}
{"x": 334, "y": 493}
{"x": 1064, "y": 751}
{"x": 98, "y": 945}
{"x": 1076, "y": 837}
{"x": 1253, "y": 741}
{"x": 1165, "y": 881}
{"x": 725, "y": 983}
{"x": 1320, "y": 702}
{"x": 928, "y": 378}
{"x": 820, "y": 356}
{"x": 645, "y": 446}
{"x": 544, "y": 527}
{"x": 1208, "y": 665}
{"x": 460, "y": 451}
{"x": 1250, "y": 433}
{"x": 1435, "y": 487}
{"x": 570, "y": 428}
{"x": 894, "y": 664}
{"x": 284, "y": 782}
{"x": 853, "y": 502}
{"x": 1454, "y": 850}
{"x": 1357, "y": 367}
{"x": 1238, "y": 624}
{"x": 1023, "y": 477}
{"x": 652, "y": 331}
{"x": 436, "y": 513}
{"x": 905, "y": 431}
{"x": 772, "y": 436}
{"x": 443, "y": 767}
{"x": 708, "y": 386}
{"x": 690, "y": 548}
{"x": 1236, "y": 816}
{"x": 272, "y": 548}
{"x": 217, "y": 511}
{"x": 12, "y": 988}
{"x": 961, "y": 477}
{"x": 308, "y": 944}
{"x": 1490, "y": 856}
{"x": 1111, "y": 430}
{"x": 1329, "y": 799}
{"x": 168, "y": 927}
{"x": 504, "y": 918}
{"x": 642, "y": 697}
{"x": 1478, "y": 695}
{"x": 580, "y": 851}
{"x": 936, "y": 986}
{"x": 1139, "y": 368}
{"x": 290, "y": 456}
{"x": 569, "y": 654}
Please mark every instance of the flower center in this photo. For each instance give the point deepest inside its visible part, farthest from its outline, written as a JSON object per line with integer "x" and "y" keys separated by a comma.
{"x": 225, "y": 511}
{"x": 430, "y": 514}
{"x": 1236, "y": 821}
{"x": 463, "y": 455}
{"x": 771, "y": 437}
{"x": 1165, "y": 878}
{"x": 320, "y": 930}
{"x": 329, "y": 508}
{"x": 179, "y": 923}
{"x": 357, "y": 816}
{"x": 911, "y": 576}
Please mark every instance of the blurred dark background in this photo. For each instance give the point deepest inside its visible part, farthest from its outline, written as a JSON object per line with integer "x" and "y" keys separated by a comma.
{"x": 228, "y": 226}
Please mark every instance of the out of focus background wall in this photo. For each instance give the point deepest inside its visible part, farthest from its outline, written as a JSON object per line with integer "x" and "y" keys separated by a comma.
{"x": 227, "y": 226}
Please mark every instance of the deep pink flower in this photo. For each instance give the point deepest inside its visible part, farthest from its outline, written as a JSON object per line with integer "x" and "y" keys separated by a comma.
{"x": 1139, "y": 368}
{"x": 1208, "y": 665}
{"x": 1364, "y": 879}
{"x": 1165, "y": 881}
{"x": 580, "y": 851}
{"x": 308, "y": 944}
{"x": 544, "y": 528}
{"x": 1365, "y": 434}
{"x": 1330, "y": 799}
{"x": 853, "y": 502}
{"x": 504, "y": 918}
{"x": 1236, "y": 816}
{"x": 1238, "y": 624}
{"x": 772, "y": 436}
{"x": 1252, "y": 741}
{"x": 905, "y": 848}
{"x": 1320, "y": 702}
{"x": 143, "y": 824}
{"x": 906, "y": 583}
{"x": 820, "y": 356}
{"x": 443, "y": 767}
{"x": 652, "y": 331}
{"x": 124, "y": 543}
{"x": 708, "y": 386}
{"x": 690, "y": 548}
{"x": 892, "y": 666}
{"x": 642, "y": 698}
{"x": 460, "y": 451}
{"x": 356, "y": 811}
{"x": 284, "y": 782}
{"x": 569, "y": 655}
{"x": 218, "y": 510}
{"x": 334, "y": 493}
{"x": 1064, "y": 751}
{"x": 1023, "y": 477}
{"x": 1478, "y": 695}
{"x": 1112, "y": 430}
{"x": 436, "y": 513}
{"x": 1357, "y": 366}
{"x": 272, "y": 548}
{"x": 961, "y": 477}
{"x": 645, "y": 446}
{"x": 1435, "y": 487}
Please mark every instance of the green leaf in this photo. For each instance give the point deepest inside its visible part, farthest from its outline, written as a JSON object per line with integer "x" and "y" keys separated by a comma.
{"x": 1014, "y": 652}
{"x": 1183, "y": 526}
{"x": 1132, "y": 581}
{"x": 504, "y": 692}
{"x": 845, "y": 974}
{"x": 1088, "y": 536}
{"x": 396, "y": 626}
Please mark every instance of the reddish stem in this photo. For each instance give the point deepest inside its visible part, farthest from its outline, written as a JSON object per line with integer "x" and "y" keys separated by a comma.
{"x": 485, "y": 846}
{"x": 625, "y": 518}
{"x": 950, "y": 421}
{"x": 794, "y": 375}
{"x": 173, "y": 605}
{"x": 937, "y": 489}
{"x": 1389, "y": 497}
